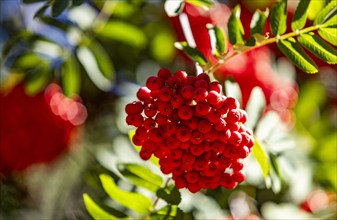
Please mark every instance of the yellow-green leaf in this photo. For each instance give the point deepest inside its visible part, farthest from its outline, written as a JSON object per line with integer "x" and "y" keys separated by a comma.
{"x": 258, "y": 22}
{"x": 95, "y": 210}
{"x": 235, "y": 28}
{"x": 261, "y": 157}
{"x": 291, "y": 49}
{"x": 329, "y": 34}
{"x": 193, "y": 53}
{"x": 300, "y": 16}
{"x": 71, "y": 77}
{"x": 131, "y": 200}
{"x": 278, "y": 18}
{"x": 318, "y": 47}
{"x": 326, "y": 12}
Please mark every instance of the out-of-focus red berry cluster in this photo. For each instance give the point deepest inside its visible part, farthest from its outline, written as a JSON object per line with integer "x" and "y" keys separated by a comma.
{"x": 36, "y": 129}
{"x": 197, "y": 133}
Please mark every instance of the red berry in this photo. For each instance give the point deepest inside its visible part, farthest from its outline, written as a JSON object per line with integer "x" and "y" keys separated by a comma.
{"x": 215, "y": 86}
{"x": 165, "y": 94}
{"x": 183, "y": 134}
{"x": 154, "y": 83}
{"x": 177, "y": 101}
{"x": 204, "y": 126}
{"x": 164, "y": 73}
{"x": 187, "y": 92}
{"x": 143, "y": 94}
{"x": 200, "y": 94}
{"x": 185, "y": 112}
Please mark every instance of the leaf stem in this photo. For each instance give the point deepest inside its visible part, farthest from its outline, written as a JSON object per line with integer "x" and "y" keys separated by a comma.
{"x": 263, "y": 43}
{"x": 157, "y": 198}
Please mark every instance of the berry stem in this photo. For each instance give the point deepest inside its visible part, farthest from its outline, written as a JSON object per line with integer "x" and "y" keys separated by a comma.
{"x": 263, "y": 43}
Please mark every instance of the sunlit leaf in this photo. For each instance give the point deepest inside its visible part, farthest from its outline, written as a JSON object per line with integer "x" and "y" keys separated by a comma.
{"x": 318, "y": 47}
{"x": 95, "y": 210}
{"x": 329, "y": 34}
{"x": 331, "y": 22}
{"x": 125, "y": 33}
{"x": 168, "y": 212}
{"x": 89, "y": 62}
{"x": 278, "y": 18}
{"x": 37, "y": 81}
{"x": 326, "y": 12}
{"x": 71, "y": 77}
{"x": 235, "y": 28}
{"x": 257, "y": 24}
{"x": 193, "y": 53}
{"x": 261, "y": 157}
{"x": 170, "y": 194}
{"x": 296, "y": 55}
{"x": 314, "y": 8}
{"x": 174, "y": 8}
{"x": 58, "y": 7}
{"x": 300, "y": 15}
{"x": 162, "y": 47}
{"x": 207, "y": 3}
{"x": 255, "y": 106}
{"x": 221, "y": 41}
{"x": 142, "y": 176}
{"x": 131, "y": 200}
{"x": 103, "y": 60}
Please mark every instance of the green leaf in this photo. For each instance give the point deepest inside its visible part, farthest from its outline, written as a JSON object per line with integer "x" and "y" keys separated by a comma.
{"x": 221, "y": 41}
{"x": 41, "y": 11}
{"x": 261, "y": 157}
{"x": 103, "y": 60}
{"x": 199, "y": 3}
{"x": 131, "y": 200}
{"x": 77, "y": 2}
{"x": 142, "y": 176}
{"x": 193, "y": 53}
{"x": 318, "y": 47}
{"x": 278, "y": 18}
{"x": 326, "y": 12}
{"x": 331, "y": 22}
{"x": 153, "y": 159}
{"x": 295, "y": 53}
{"x": 95, "y": 210}
{"x": 314, "y": 8}
{"x": 329, "y": 34}
{"x": 125, "y": 33}
{"x": 170, "y": 194}
{"x": 168, "y": 212}
{"x": 300, "y": 16}
{"x": 258, "y": 22}
{"x": 71, "y": 78}
{"x": 90, "y": 64}
{"x": 235, "y": 28}
{"x": 37, "y": 81}
{"x": 58, "y": 7}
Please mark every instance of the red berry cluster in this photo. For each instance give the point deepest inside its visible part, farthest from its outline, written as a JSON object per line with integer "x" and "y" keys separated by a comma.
{"x": 198, "y": 134}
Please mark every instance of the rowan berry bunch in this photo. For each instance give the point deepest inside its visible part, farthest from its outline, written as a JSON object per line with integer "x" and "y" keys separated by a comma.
{"x": 197, "y": 133}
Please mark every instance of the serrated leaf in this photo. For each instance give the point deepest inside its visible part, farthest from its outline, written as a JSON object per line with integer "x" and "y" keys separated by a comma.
{"x": 142, "y": 176}
{"x": 41, "y": 11}
{"x": 220, "y": 40}
{"x": 329, "y": 34}
{"x": 295, "y": 53}
{"x": 77, "y": 2}
{"x": 255, "y": 106}
{"x": 193, "y": 53}
{"x": 278, "y": 18}
{"x": 131, "y": 200}
{"x": 300, "y": 16}
{"x": 89, "y": 62}
{"x": 258, "y": 22}
{"x": 125, "y": 33}
{"x": 153, "y": 159}
{"x": 318, "y": 47}
{"x": 71, "y": 78}
{"x": 326, "y": 12}
{"x": 235, "y": 28}
{"x": 58, "y": 7}
{"x": 103, "y": 60}
{"x": 170, "y": 194}
{"x": 261, "y": 157}
{"x": 331, "y": 21}
{"x": 95, "y": 210}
